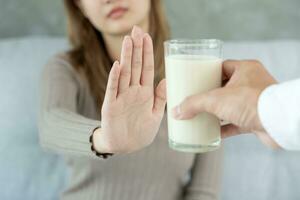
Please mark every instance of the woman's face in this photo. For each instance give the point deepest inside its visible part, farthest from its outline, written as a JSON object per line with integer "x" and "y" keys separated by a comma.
{"x": 116, "y": 16}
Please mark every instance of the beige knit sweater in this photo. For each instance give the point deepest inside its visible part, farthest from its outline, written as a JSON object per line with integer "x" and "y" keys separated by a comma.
{"x": 66, "y": 119}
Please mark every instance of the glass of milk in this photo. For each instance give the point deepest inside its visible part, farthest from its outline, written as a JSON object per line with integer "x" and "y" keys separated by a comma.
{"x": 192, "y": 67}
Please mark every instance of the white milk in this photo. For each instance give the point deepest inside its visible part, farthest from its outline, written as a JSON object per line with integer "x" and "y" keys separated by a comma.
{"x": 188, "y": 75}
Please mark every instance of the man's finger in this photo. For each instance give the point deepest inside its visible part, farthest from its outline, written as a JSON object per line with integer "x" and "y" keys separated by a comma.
{"x": 229, "y": 67}
{"x": 193, "y": 105}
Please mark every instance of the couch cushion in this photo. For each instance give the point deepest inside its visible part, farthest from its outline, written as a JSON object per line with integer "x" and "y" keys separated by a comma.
{"x": 26, "y": 172}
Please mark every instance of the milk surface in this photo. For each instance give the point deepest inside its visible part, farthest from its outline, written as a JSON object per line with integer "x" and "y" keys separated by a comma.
{"x": 188, "y": 75}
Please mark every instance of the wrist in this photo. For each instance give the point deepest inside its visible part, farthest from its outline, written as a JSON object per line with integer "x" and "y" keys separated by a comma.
{"x": 100, "y": 142}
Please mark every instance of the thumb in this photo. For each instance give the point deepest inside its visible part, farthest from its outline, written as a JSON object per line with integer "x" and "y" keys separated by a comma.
{"x": 193, "y": 105}
{"x": 160, "y": 98}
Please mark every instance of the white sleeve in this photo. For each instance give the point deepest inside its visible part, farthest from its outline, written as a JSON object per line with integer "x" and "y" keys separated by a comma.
{"x": 279, "y": 112}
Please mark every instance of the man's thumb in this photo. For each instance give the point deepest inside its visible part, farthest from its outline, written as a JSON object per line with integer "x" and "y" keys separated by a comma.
{"x": 193, "y": 105}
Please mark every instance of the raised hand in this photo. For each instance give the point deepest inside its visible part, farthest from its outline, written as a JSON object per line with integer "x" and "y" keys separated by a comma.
{"x": 132, "y": 109}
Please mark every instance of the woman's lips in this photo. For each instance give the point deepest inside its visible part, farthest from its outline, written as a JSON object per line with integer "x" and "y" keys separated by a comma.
{"x": 117, "y": 13}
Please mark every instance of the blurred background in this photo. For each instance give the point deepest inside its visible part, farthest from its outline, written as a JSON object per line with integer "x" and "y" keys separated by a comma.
{"x": 224, "y": 19}
{"x": 32, "y": 31}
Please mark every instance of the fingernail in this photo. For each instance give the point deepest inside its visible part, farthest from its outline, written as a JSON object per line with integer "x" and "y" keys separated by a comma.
{"x": 147, "y": 37}
{"x": 176, "y": 112}
{"x": 126, "y": 38}
{"x": 116, "y": 63}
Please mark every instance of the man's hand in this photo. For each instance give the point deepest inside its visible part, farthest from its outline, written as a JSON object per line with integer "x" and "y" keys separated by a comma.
{"x": 236, "y": 102}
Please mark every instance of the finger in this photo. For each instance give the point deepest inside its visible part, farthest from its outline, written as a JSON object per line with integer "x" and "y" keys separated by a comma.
{"x": 113, "y": 82}
{"x": 229, "y": 130}
{"x": 137, "y": 56}
{"x": 160, "y": 98}
{"x": 229, "y": 67}
{"x": 126, "y": 56}
{"x": 147, "y": 77}
{"x": 193, "y": 105}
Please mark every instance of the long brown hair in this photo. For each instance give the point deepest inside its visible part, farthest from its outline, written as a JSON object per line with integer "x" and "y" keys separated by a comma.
{"x": 89, "y": 54}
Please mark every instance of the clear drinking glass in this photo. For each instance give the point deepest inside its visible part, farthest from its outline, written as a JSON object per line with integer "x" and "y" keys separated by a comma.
{"x": 192, "y": 67}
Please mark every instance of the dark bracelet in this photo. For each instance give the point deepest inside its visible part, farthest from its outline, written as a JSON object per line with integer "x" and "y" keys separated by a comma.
{"x": 98, "y": 154}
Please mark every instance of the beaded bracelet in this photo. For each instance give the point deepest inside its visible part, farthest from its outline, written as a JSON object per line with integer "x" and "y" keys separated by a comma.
{"x": 98, "y": 154}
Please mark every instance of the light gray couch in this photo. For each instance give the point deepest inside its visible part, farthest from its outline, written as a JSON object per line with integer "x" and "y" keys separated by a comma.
{"x": 251, "y": 171}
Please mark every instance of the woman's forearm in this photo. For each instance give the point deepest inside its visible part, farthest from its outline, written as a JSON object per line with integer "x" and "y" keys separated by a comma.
{"x": 61, "y": 128}
{"x": 66, "y": 132}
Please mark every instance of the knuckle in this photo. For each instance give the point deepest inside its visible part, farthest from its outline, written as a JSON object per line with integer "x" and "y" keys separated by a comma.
{"x": 113, "y": 79}
{"x": 148, "y": 68}
{"x": 255, "y": 62}
{"x": 125, "y": 72}
{"x": 127, "y": 56}
{"x": 113, "y": 88}
{"x": 188, "y": 99}
{"x": 137, "y": 62}
{"x": 191, "y": 100}
{"x": 138, "y": 45}
{"x": 187, "y": 104}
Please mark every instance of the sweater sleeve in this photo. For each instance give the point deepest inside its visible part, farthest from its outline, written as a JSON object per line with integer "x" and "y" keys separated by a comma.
{"x": 61, "y": 128}
{"x": 278, "y": 109}
{"x": 205, "y": 177}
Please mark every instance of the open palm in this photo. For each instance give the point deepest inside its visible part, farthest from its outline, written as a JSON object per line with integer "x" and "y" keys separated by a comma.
{"x": 132, "y": 110}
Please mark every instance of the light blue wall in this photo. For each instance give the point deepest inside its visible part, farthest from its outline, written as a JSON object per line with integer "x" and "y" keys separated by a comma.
{"x": 225, "y": 19}
{"x": 28, "y": 17}
{"x": 236, "y": 19}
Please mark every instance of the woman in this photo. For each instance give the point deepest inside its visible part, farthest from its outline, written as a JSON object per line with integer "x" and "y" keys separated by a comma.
{"x": 85, "y": 96}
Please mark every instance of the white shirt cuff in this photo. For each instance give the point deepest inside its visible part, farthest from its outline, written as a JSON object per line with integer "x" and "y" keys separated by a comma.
{"x": 279, "y": 113}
